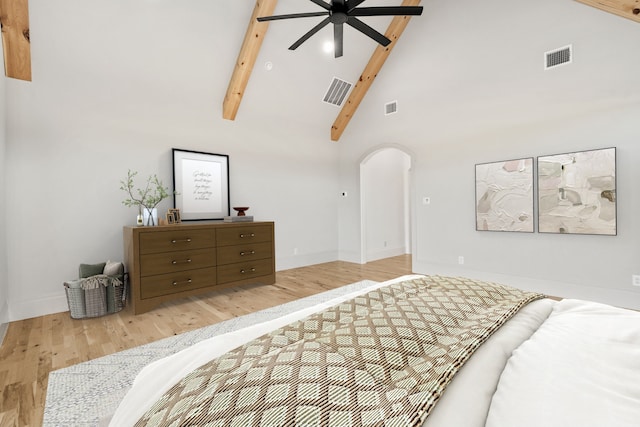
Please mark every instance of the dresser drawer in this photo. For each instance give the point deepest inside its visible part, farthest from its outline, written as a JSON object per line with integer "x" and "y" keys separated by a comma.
{"x": 241, "y": 235}
{"x": 167, "y": 262}
{"x": 244, "y": 270}
{"x": 173, "y": 283}
{"x": 176, "y": 240}
{"x": 245, "y": 253}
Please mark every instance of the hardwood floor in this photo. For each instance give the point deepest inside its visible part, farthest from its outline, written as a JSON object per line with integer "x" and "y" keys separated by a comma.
{"x": 34, "y": 347}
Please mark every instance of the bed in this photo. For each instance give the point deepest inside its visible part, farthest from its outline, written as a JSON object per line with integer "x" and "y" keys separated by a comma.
{"x": 531, "y": 361}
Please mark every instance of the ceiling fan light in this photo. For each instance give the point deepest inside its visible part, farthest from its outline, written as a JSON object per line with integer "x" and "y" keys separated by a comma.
{"x": 327, "y": 46}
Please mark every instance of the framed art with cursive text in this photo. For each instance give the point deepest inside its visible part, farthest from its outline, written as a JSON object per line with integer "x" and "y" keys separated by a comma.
{"x": 201, "y": 185}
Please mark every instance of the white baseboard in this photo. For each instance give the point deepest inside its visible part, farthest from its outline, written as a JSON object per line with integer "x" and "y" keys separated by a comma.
{"x": 3, "y": 332}
{"x": 385, "y": 253}
{"x": 58, "y": 303}
{"x": 350, "y": 256}
{"x": 36, "y": 307}
{"x": 4, "y": 313}
{"x": 304, "y": 260}
{"x": 4, "y": 321}
{"x": 615, "y": 297}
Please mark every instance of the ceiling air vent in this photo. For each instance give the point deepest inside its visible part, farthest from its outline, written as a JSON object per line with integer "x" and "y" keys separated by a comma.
{"x": 337, "y": 92}
{"x": 558, "y": 57}
{"x": 391, "y": 108}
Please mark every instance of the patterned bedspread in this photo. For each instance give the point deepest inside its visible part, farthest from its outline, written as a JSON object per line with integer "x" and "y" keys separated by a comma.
{"x": 383, "y": 358}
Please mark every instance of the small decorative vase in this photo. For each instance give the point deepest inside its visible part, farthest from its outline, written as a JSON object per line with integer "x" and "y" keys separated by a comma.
{"x": 241, "y": 210}
{"x": 150, "y": 217}
{"x": 139, "y": 219}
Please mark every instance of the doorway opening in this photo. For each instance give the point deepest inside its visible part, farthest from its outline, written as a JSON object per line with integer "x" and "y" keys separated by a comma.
{"x": 385, "y": 204}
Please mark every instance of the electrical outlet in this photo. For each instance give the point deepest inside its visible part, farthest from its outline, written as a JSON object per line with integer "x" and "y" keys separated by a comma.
{"x": 295, "y": 251}
{"x": 635, "y": 280}
{"x": 460, "y": 260}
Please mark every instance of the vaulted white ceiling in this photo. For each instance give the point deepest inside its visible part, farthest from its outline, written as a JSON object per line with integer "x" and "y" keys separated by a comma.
{"x": 472, "y": 59}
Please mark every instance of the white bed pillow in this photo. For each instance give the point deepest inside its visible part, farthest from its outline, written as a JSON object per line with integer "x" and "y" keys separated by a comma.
{"x": 580, "y": 369}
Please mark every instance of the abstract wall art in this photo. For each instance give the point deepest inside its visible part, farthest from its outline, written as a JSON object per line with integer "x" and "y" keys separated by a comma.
{"x": 577, "y": 192}
{"x": 504, "y": 196}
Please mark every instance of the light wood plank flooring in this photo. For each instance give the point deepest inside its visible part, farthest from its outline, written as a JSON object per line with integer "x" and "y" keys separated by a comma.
{"x": 34, "y": 347}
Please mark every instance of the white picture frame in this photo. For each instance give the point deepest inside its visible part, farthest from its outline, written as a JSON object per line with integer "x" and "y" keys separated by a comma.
{"x": 201, "y": 185}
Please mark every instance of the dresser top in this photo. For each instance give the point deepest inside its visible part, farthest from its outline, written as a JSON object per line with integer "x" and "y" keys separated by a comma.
{"x": 189, "y": 225}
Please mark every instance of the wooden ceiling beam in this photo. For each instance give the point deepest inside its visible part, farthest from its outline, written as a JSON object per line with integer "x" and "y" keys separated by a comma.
{"x": 14, "y": 17}
{"x": 380, "y": 55}
{"x": 247, "y": 58}
{"x": 626, "y": 8}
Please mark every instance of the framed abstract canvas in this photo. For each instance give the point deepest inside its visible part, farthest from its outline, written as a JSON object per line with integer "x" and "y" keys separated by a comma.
{"x": 504, "y": 196}
{"x": 577, "y": 193}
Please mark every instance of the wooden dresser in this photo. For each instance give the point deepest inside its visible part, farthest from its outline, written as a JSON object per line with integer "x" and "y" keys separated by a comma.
{"x": 175, "y": 261}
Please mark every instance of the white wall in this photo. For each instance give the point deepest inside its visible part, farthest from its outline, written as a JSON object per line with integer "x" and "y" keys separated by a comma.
{"x": 383, "y": 181}
{"x": 115, "y": 86}
{"x": 484, "y": 97}
{"x": 592, "y": 267}
{"x": 65, "y": 203}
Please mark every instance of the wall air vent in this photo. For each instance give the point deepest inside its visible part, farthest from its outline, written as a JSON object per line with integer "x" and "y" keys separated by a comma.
{"x": 391, "y": 108}
{"x": 337, "y": 92}
{"x": 558, "y": 57}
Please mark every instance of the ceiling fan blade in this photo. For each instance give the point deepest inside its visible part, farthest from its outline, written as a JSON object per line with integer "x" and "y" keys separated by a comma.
{"x": 293, "y": 15}
{"x": 387, "y": 11}
{"x": 337, "y": 40}
{"x": 322, "y": 4}
{"x": 352, "y": 4}
{"x": 310, "y": 33}
{"x": 368, "y": 31}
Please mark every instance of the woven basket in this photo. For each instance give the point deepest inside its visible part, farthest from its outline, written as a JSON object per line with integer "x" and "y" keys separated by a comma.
{"x": 97, "y": 302}
{"x": 116, "y": 295}
{"x": 75, "y": 299}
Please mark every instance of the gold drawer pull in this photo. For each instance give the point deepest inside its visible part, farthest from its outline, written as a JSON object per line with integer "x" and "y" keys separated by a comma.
{"x": 243, "y": 271}
{"x": 188, "y": 281}
{"x": 243, "y": 253}
{"x": 242, "y": 235}
{"x": 188, "y": 239}
{"x": 174, "y": 262}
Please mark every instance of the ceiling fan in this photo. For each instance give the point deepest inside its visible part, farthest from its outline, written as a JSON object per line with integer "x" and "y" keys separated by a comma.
{"x": 341, "y": 12}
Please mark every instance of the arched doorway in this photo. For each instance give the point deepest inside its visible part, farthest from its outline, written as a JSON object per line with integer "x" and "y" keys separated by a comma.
{"x": 385, "y": 203}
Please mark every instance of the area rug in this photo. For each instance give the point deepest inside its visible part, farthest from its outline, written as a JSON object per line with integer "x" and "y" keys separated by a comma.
{"x": 87, "y": 394}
